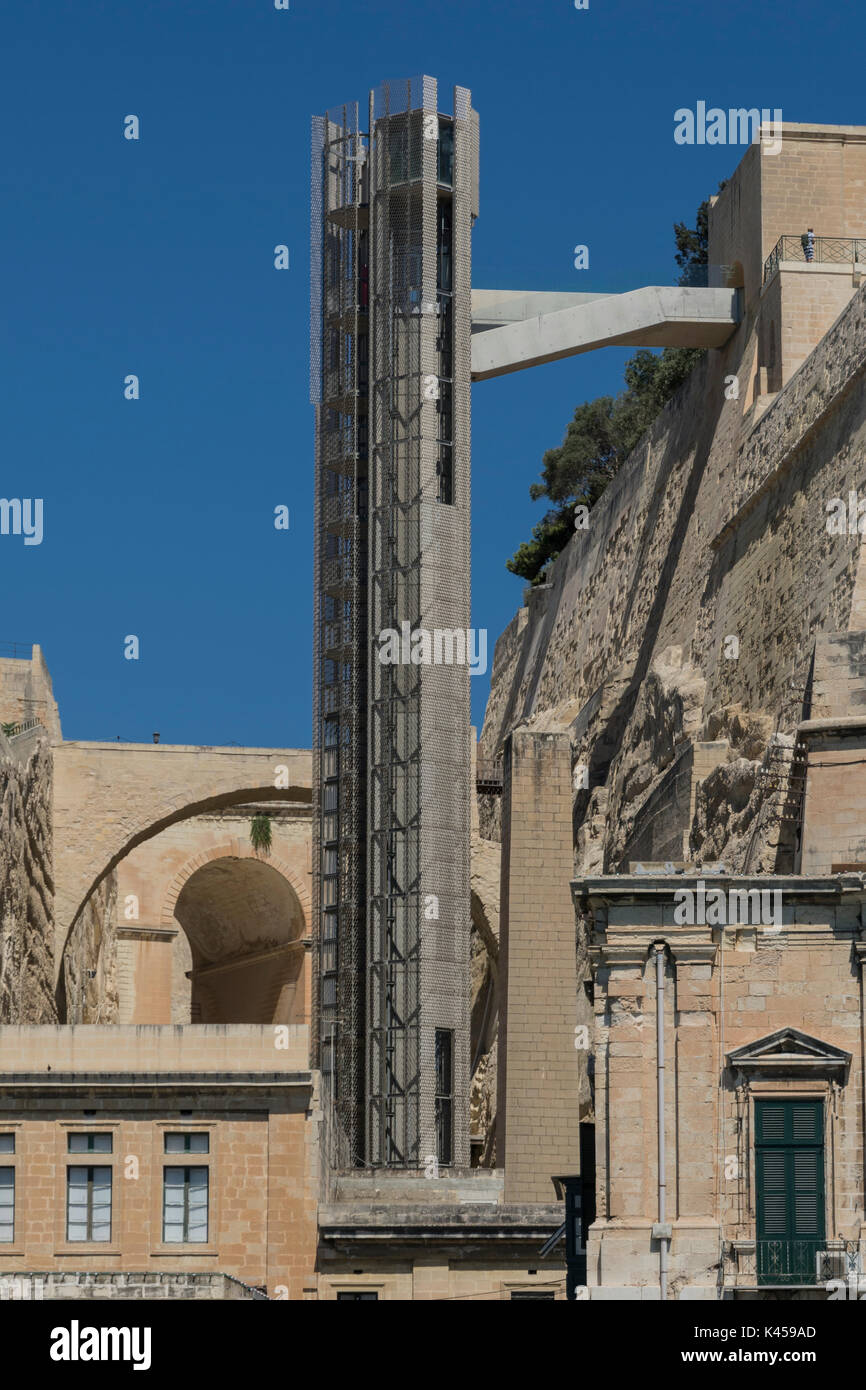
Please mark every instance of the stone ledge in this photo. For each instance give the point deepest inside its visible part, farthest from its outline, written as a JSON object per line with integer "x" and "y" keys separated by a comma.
{"x": 54, "y": 1285}
{"x": 57, "y": 1082}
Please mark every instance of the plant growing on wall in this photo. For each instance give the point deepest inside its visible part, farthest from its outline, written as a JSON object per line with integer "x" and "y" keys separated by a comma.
{"x": 260, "y": 834}
{"x": 603, "y": 432}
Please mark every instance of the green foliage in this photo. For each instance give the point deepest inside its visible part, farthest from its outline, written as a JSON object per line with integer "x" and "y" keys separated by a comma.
{"x": 260, "y": 834}
{"x": 603, "y": 432}
{"x": 597, "y": 442}
{"x": 9, "y": 729}
{"x": 693, "y": 243}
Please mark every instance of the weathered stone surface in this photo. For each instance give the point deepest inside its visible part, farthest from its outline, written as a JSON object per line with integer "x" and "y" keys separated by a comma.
{"x": 484, "y": 985}
{"x": 26, "y": 883}
{"x": 90, "y": 960}
{"x": 715, "y": 529}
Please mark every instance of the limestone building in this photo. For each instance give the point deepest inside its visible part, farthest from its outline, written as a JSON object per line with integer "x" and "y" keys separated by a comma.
{"x": 199, "y": 1097}
{"x": 681, "y": 702}
{"x": 162, "y": 1133}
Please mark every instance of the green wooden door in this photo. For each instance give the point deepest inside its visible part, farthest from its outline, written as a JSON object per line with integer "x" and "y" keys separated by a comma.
{"x": 789, "y": 1166}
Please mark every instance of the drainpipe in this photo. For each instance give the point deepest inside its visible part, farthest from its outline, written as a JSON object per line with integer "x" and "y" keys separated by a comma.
{"x": 662, "y": 1229}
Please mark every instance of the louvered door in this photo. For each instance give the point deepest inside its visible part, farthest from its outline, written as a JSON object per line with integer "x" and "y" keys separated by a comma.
{"x": 789, "y": 1163}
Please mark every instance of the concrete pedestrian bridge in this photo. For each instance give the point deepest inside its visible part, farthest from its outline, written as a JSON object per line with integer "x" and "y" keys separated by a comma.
{"x": 514, "y": 329}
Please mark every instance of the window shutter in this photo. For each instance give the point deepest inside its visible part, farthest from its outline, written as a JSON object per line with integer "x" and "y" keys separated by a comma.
{"x": 789, "y": 1170}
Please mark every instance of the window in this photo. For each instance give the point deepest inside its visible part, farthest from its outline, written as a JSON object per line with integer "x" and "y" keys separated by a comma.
{"x": 198, "y": 1143}
{"x": 789, "y": 1170}
{"x": 357, "y": 1296}
{"x": 329, "y": 957}
{"x": 89, "y": 1143}
{"x": 444, "y": 1094}
{"x": 7, "y": 1143}
{"x": 445, "y": 171}
{"x": 88, "y": 1201}
{"x": 184, "y": 1205}
{"x": 7, "y": 1205}
{"x": 444, "y": 239}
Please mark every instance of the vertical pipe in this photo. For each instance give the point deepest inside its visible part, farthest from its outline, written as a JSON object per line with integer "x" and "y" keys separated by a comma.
{"x": 660, "y": 1067}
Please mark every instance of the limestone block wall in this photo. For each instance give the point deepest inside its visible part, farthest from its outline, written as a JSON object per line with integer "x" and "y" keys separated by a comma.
{"x": 135, "y": 1050}
{"x": 723, "y": 991}
{"x": 715, "y": 529}
{"x": 144, "y": 1284}
{"x": 839, "y": 678}
{"x": 817, "y": 180}
{"x": 89, "y": 989}
{"x": 110, "y": 797}
{"x": 834, "y": 818}
{"x": 262, "y": 1151}
{"x": 26, "y": 882}
{"x": 542, "y": 1071}
{"x": 691, "y": 607}
{"x": 153, "y": 949}
{"x": 26, "y": 692}
{"x": 811, "y": 298}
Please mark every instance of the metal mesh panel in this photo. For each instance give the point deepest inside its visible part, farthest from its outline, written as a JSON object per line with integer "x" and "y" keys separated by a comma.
{"x": 397, "y": 200}
{"x": 317, "y": 146}
{"x": 340, "y": 623}
{"x": 392, "y": 827}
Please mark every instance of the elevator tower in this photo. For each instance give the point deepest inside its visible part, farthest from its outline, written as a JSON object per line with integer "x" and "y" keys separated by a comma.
{"x": 394, "y": 197}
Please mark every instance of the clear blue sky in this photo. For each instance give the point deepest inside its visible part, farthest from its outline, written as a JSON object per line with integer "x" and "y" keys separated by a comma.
{"x": 156, "y": 258}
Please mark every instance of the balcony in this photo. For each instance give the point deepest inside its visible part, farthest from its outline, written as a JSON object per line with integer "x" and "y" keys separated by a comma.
{"x": 788, "y": 1264}
{"x": 827, "y": 250}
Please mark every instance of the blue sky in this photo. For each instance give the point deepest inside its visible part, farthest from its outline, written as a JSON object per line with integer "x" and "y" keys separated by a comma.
{"x": 156, "y": 258}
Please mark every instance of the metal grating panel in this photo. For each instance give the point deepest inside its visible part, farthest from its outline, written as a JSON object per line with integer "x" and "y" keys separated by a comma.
{"x": 392, "y": 755}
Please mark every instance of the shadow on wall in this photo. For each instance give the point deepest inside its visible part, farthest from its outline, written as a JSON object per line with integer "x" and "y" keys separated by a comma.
{"x": 245, "y": 926}
{"x": 236, "y": 953}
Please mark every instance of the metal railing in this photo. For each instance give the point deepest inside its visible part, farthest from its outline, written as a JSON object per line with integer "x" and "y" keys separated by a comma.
{"x": 787, "y": 1261}
{"x": 829, "y": 250}
{"x": 488, "y": 777}
{"x": 794, "y": 1263}
{"x": 15, "y": 730}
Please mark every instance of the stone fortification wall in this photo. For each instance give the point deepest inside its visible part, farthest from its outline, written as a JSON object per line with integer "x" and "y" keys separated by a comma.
{"x": 715, "y": 529}
{"x": 26, "y": 882}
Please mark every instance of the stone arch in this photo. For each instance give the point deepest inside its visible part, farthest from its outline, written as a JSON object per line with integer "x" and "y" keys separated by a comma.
{"x": 185, "y": 810}
{"x": 244, "y": 923}
{"x": 234, "y": 849}
{"x": 110, "y": 798}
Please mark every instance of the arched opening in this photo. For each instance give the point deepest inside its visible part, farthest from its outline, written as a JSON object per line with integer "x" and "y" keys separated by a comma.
{"x": 244, "y": 925}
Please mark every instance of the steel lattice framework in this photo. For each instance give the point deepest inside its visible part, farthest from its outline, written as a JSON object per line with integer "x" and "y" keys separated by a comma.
{"x": 392, "y": 212}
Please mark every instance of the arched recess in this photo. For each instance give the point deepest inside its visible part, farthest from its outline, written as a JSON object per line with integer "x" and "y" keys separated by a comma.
{"x": 131, "y": 836}
{"x": 245, "y": 924}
